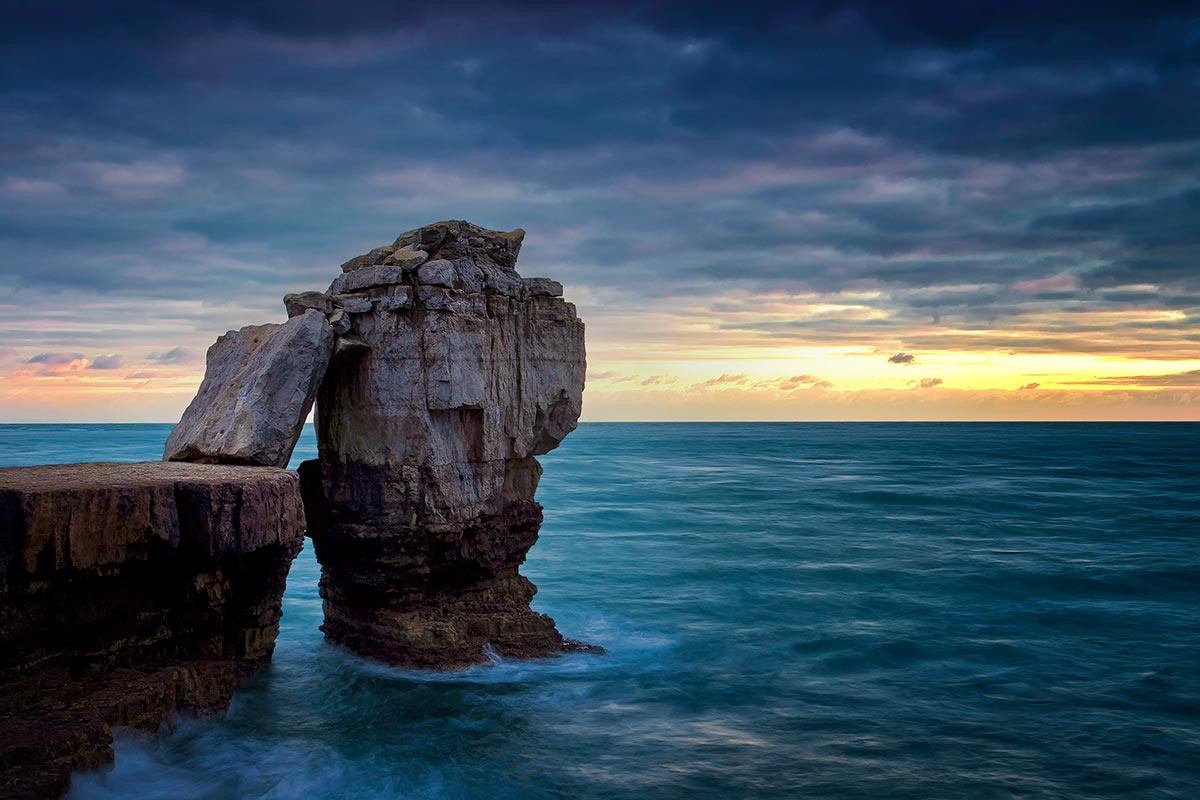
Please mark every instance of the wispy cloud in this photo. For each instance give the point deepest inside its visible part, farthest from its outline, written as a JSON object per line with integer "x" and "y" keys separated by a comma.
{"x": 54, "y": 359}
{"x": 113, "y": 361}
{"x": 173, "y": 356}
{"x": 789, "y": 383}
{"x": 51, "y": 363}
{"x": 140, "y": 178}
{"x": 17, "y": 185}
{"x": 1191, "y": 378}
{"x": 723, "y": 380}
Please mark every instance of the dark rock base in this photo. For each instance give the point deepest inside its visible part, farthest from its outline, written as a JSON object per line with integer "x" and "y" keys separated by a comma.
{"x": 451, "y": 633}
{"x": 441, "y": 596}
{"x": 130, "y": 593}
{"x": 52, "y": 723}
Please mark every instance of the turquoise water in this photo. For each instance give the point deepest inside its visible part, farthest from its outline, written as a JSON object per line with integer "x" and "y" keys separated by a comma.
{"x": 791, "y": 611}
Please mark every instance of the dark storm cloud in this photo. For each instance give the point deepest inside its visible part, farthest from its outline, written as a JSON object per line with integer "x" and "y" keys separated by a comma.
{"x": 902, "y": 358}
{"x": 971, "y": 165}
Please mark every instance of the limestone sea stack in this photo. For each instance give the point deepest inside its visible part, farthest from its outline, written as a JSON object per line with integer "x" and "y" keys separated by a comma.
{"x": 450, "y": 374}
{"x": 442, "y": 374}
{"x": 130, "y": 592}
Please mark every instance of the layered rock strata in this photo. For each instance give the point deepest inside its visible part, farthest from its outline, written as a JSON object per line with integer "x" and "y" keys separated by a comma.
{"x": 450, "y": 374}
{"x": 444, "y": 374}
{"x": 129, "y": 592}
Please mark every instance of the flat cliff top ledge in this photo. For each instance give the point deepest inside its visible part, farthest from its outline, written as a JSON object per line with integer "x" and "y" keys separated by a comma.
{"x": 73, "y": 517}
{"x": 130, "y": 593}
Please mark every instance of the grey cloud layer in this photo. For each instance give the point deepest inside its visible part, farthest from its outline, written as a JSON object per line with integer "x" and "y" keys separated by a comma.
{"x": 996, "y": 169}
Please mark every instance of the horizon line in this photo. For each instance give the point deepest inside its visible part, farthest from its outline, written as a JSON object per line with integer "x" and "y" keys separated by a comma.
{"x": 749, "y": 422}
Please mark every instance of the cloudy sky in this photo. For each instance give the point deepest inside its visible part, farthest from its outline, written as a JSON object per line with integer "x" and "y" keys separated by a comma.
{"x": 816, "y": 211}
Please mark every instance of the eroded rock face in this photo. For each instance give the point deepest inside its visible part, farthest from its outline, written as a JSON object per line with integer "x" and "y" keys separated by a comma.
{"x": 450, "y": 374}
{"x": 259, "y": 385}
{"x": 129, "y": 592}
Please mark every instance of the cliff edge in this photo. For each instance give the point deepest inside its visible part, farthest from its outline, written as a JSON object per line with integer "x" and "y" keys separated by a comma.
{"x": 130, "y": 592}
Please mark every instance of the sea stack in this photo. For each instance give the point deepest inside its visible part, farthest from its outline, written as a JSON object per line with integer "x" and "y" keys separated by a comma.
{"x": 442, "y": 373}
{"x": 449, "y": 375}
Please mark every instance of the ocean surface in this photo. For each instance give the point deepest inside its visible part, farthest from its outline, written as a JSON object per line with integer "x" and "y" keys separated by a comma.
{"x": 790, "y": 610}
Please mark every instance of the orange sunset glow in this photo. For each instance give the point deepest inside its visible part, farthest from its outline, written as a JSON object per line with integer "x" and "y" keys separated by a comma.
{"x": 600, "y": 400}
{"x": 747, "y": 359}
{"x": 743, "y": 239}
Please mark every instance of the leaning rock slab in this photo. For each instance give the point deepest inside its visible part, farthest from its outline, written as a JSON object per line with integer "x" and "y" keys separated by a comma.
{"x": 259, "y": 385}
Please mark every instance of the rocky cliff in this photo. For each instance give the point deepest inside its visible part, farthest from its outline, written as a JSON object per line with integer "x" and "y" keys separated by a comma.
{"x": 129, "y": 592}
{"x": 442, "y": 374}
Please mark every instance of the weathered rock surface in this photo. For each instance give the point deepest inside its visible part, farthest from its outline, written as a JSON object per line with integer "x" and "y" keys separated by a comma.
{"x": 450, "y": 374}
{"x": 53, "y": 721}
{"x": 259, "y": 385}
{"x": 129, "y": 592}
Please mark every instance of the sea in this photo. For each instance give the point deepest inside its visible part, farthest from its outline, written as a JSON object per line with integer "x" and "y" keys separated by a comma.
{"x": 790, "y": 611}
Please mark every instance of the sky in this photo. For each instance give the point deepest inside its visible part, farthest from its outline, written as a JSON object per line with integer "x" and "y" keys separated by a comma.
{"x": 805, "y": 211}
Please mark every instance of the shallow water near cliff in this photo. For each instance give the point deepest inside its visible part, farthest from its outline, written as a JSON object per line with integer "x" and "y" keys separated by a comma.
{"x": 791, "y": 610}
